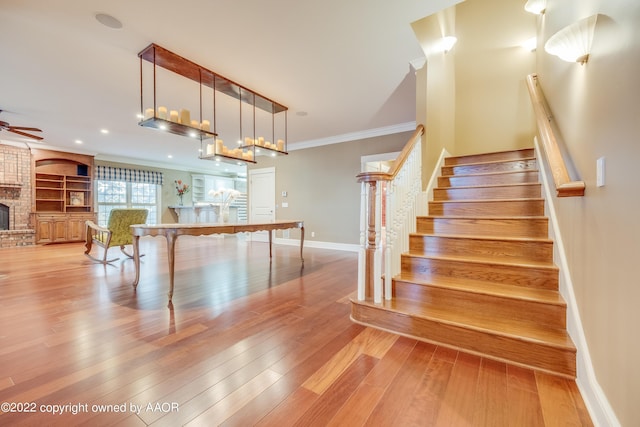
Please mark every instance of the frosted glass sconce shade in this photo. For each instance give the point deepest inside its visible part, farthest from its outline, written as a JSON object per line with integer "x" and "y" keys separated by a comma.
{"x": 530, "y": 44}
{"x": 573, "y": 43}
{"x": 446, "y": 43}
{"x": 535, "y": 6}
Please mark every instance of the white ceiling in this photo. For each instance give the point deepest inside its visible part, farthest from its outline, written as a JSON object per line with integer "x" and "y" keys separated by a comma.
{"x": 343, "y": 62}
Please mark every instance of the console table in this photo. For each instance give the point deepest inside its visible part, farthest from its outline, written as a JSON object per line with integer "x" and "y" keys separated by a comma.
{"x": 172, "y": 231}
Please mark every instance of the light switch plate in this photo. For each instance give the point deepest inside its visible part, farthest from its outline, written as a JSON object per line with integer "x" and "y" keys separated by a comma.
{"x": 600, "y": 172}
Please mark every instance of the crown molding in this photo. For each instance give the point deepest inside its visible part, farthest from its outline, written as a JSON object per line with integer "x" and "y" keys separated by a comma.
{"x": 353, "y": 136}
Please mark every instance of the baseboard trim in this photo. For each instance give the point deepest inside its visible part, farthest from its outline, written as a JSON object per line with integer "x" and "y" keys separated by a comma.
{"x": 598, "y": 405}
{"x": 318, "y": 244}
{"x": 256, "y": 237}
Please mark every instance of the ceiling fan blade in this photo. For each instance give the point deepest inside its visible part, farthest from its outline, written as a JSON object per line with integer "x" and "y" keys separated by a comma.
{"x": 25, "y": 134}
{"x": 24, "y": 128}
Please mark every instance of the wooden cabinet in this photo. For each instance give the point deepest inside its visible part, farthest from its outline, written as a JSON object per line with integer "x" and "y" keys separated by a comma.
{"x": 59, "y": 228}
{"x": 62, "y": 195}
{"x": 50, "y": 229}
{"x": 76, "y": 228}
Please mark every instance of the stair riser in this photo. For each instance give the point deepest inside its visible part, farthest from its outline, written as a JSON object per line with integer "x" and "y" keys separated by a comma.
{"x": 512, "y": 227}
{"x": 496, "y": 249}
{"x": 491, "y": 157}
{"x": 489, "y": 179}
{"x": 488, "y": 208}
{"x": 502, "y": 192}
{"x": 491, "y": 307}
{"x": 515, "y": 165}
{"x": 516, "y": 275}
{"x": 535, "y": 355}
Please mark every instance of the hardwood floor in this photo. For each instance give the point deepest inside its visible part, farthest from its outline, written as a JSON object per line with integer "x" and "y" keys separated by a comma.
{"x": 247, "y": 342}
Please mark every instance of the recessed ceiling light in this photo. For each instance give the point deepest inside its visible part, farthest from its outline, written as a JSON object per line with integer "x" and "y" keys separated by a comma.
{"x": 140, "y": 115}
{"x": 104, "y": 131}
{"x": 77, "y": 141}
{"x": 170, "y": 156}
{"x": 108, "y": 21}
{"x": 163, "y": 127}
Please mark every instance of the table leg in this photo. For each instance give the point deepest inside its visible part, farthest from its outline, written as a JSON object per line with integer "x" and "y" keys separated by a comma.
{"x": 171, "y": 248}
{"x": 270, "y": 233}
{"x": 136, "y": 259}
{"x": 301, "y": 242}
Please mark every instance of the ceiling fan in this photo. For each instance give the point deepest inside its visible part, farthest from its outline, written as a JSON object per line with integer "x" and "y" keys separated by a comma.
{"x": 19, "y": 130}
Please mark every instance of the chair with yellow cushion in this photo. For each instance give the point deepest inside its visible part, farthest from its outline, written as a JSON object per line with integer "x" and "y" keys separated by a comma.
{"x": 116, "y": 233}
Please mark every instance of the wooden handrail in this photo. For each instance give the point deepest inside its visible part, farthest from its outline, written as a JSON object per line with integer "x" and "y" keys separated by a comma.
{"x": 565, "y": 187}
{"x": 370, "y": 255}
{"x": 397, "y": 164}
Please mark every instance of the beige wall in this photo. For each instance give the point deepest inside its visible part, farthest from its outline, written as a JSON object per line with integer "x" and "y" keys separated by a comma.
{"x": 440, "y": 95}
{"x": 321, "y": 186}
{"x": 477, "y": 100}
{"x": 598, "y": 111}
{"x": 493, "y": 109}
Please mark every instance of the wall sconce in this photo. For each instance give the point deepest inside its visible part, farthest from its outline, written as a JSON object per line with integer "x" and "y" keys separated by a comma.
{"x": 573, "y": 43}
{"x": 446, "y": 43}
{"x": 536, "y": 7}
{"x": 530, "y": 44}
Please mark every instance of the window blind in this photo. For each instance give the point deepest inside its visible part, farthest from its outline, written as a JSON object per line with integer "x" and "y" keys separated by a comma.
{"x": 108, "y": 173}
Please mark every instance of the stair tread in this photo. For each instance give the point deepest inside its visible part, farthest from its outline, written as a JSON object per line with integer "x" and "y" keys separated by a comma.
{"x": 467, "y": 175}
{"x": 486, "y": 260}
{"x": 493, "y": 153}
{"x": 485, "y": 237}
{"x": 545, "y": 296}
{"x": 490, "y": 162}
{"x": 476, "y": 217}
{"x": 521, "y": 199}
{"x": 484, "y": 186}
{"x": 552, "y": 337}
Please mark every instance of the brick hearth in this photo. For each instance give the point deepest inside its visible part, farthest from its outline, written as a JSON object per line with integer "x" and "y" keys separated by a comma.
{"x": 16, "y": 192}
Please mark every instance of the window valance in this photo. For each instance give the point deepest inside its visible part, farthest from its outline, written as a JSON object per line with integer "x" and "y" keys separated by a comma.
{"x": 108, "y": 173}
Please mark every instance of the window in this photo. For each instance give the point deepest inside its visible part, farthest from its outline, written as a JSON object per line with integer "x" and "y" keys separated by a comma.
{"x": 121, "y": 194}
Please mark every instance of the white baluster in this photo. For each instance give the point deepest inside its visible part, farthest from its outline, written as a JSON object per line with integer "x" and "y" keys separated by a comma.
{"x": 363, "y": 241}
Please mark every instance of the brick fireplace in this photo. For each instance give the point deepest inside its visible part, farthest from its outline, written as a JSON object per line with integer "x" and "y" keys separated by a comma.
{"x": 15, "y": 197}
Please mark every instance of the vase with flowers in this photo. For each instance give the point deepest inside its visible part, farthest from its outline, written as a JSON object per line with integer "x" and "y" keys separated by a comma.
{"x": 181, "y": 189}
{"x": 223, "y": 198}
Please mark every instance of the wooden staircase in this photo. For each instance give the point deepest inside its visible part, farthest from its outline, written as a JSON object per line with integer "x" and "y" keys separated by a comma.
{"x": 479, "y": 274}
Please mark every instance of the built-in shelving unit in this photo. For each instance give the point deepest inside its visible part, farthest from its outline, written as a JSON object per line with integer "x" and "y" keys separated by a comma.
{"x": 62, "y": 195}
{"x": 250, "y": 123}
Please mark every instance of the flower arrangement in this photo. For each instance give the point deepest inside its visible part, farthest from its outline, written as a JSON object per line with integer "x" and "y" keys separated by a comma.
{"x": 181, "y": 188}
{"x": 225, "y": 197}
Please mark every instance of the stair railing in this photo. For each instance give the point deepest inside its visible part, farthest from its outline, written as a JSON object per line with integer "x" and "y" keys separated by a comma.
{"x": 400, "y": 191}
{"x": 565, "y": 187}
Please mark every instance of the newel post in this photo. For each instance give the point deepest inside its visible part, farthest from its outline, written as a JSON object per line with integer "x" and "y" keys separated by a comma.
{"x": 370, "y": 253}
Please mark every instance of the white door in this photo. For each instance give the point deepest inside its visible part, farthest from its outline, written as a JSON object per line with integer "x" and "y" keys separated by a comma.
{"x": 262, "y": 198}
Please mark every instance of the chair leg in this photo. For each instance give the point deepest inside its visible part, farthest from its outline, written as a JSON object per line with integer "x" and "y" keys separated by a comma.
{"x": 128, "y": 254}
{"x": 104, "y": 259}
